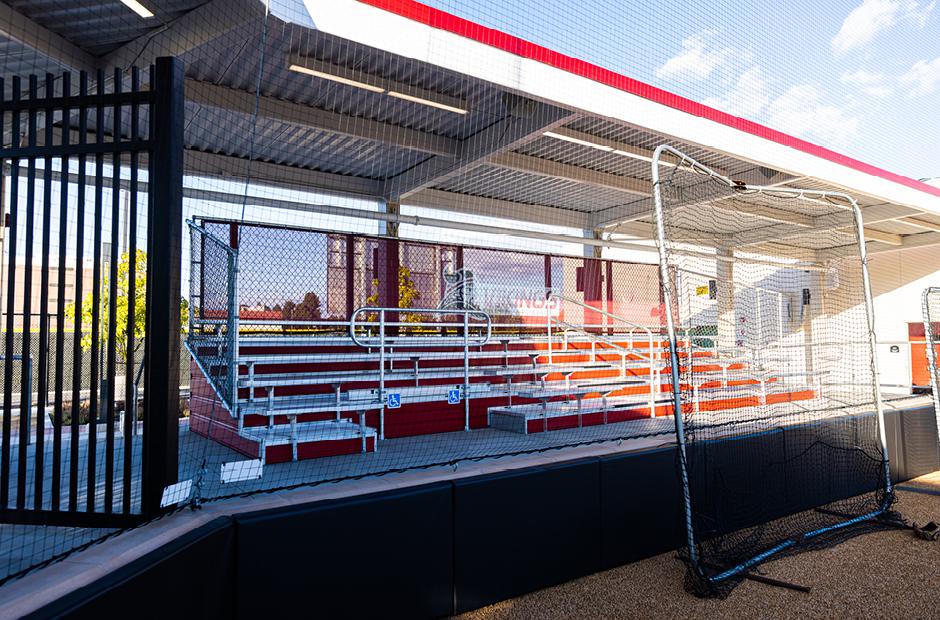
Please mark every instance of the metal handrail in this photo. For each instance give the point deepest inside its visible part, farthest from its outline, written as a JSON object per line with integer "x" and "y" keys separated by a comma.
{"x": 380, "y": 312}
{"x": 649, "y": 333}
{"x": 480, "y": 341}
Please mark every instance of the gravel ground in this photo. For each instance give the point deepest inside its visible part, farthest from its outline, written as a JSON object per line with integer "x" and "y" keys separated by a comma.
{"x": 888, "y": 574}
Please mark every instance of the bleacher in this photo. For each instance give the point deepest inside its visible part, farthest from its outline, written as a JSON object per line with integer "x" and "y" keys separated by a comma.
{"x": 306, "y": 395}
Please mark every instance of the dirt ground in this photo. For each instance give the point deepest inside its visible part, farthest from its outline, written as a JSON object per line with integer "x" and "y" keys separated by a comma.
{"x": 889, "y": 574}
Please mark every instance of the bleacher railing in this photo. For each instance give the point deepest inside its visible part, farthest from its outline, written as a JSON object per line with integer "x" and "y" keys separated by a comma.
{"x": 382, "y": 342}
{"x": 594, "y": 338}
{"x": 213, "y": 319}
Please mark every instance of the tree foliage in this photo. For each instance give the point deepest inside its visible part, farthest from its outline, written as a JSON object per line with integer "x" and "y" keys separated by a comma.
{"x": 408, "y": 294}
{"x": 309, "y": 309}
{"x": 123, "y": 305}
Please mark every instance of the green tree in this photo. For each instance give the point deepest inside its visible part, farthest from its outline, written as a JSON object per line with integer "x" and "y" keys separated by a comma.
{"x": 307, "y": 310}
{"x": 123, "y": 304}
{"x": 408, "y": 293}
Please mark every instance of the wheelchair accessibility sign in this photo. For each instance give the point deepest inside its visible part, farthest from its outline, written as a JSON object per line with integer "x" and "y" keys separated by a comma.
{"x": 393, "y": 400}
{"x": 453, "y": 397}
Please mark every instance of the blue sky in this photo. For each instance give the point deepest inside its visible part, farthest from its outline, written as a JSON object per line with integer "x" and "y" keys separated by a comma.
{"x": 860, "y": 76}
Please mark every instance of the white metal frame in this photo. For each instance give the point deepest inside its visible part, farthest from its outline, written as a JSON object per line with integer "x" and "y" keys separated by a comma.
{"x": 665, "y": 276}
{"x": 929, "y": 339}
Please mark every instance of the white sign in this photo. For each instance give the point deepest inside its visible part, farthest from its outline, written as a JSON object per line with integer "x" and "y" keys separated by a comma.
{"x": 238, "y": 471}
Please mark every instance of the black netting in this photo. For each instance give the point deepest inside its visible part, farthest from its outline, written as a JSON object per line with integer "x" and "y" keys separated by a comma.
{"x": 780, "y": 407}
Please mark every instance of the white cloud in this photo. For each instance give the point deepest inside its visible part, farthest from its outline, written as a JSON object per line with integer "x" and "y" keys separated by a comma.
{"x": 696, "y": 61}
{"x": 747, "y": 98}
{"x": 872, "y": 84}
{"x": 875, "y": 16}
{"x": 800, "y": 111}
{"x": 923, "y": 77}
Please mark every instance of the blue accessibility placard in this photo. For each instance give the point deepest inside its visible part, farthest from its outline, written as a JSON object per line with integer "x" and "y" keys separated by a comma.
{"x": 393, "y": 400}
{"x": 453, "y": 397}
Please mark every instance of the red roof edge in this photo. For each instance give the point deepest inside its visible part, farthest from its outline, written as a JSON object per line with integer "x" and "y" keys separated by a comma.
{"x": 495, "y": 38}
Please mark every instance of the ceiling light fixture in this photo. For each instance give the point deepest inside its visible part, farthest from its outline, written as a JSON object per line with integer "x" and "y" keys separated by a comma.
{"x": 138, "y": 8}
{"x": 428, "y": 102}
{"x": 633, "y": 154}
{"x": 336, "y": 78}
{"x": 593, "y": 145}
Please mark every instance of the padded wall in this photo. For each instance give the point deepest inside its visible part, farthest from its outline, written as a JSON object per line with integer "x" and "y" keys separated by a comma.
{"x": 519, "y": 531}
{"x": 429, "y": 551}
{"x": 192, "y": 577}
{"x": 385, "y": 555}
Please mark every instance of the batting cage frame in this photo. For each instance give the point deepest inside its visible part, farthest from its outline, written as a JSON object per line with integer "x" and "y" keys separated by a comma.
{"x": 702, "y": 506}
{"x": 931, "y": 300}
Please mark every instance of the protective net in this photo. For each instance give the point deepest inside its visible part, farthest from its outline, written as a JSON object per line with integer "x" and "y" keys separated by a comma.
{"x": 405, "y": 236}
{"x": 781, "y": 433}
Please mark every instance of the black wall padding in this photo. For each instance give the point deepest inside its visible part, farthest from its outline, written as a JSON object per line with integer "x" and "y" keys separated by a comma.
{"x": 429, "y": 551}
{"x": 918, "y": 428}
{"x": 516, "y": 532}
{"x": 383, "y": 555}
{"x": 640, "y": 506}
{"x": 191, "y": 577}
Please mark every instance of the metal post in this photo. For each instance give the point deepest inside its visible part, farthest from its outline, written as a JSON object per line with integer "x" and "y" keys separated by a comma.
{"x": 466, "y": 370}
{"x": 165, "y": 216}
{"x": 674, "y": 356}
{"x": 233, "y": 310}
{"x": 548, "y": 330}
{"x": 931, "y": 352}
{"x": 382, "y": 374}
{"x": 873, "y": 342}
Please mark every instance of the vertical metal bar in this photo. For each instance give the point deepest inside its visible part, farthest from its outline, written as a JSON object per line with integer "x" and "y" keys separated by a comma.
{"x": 42, "y": 384}
{"x": 60, "y": 306}
{"x": 382, "y": 373}
{"x": 873, "y": 342}
{"x": 165, "y": 216}
{"x": 26, "y": 374}
{"x": 9, "y": 342}
{"x": 466, "y": 370}
{"x": 130, "y": 387}
{"x": 350, "y": 269}
{"x": 111, "y": 363}
{"x": 664, "y": 275}
{"x": 96, "y": 301}
{"x": 233, "y": 327}
{"x": 931, "y": 351}
{"x": 79, "y": 299}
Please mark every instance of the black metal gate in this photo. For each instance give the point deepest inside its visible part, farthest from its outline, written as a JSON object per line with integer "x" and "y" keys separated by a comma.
{"x": 93, "y": 204}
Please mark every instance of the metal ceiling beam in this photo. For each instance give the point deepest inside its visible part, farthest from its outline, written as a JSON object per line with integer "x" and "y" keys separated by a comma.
{"x": 236, "y": 169}
{"x": 16, "y": 26}
{"x": 185, "y": 33}
{"x": 525, "y": 121}
{"x": 301, "y": 115}
{"x": 548, "y": 168}
{"x": 909, "y": 242}
{"x": 842, "y": 222}
{"x": 492, "y": 207}
{"x": 612, "y": 217}
{"x": 919, "y": 223}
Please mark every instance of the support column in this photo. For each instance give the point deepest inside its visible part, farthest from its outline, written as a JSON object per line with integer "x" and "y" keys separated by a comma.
{"x": 160, "y": 463}
{"x": 727, "y": 327}
{"x": 592, "y": 275}
{"x": 388, "y": 266}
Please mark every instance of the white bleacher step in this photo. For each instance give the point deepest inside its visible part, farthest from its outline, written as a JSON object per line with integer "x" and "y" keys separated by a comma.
{"x": 576, "y": 389}
{"x": 539, "y": 417}
{"x": 312, "y": 439}
{"x": 404, "y": 354}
